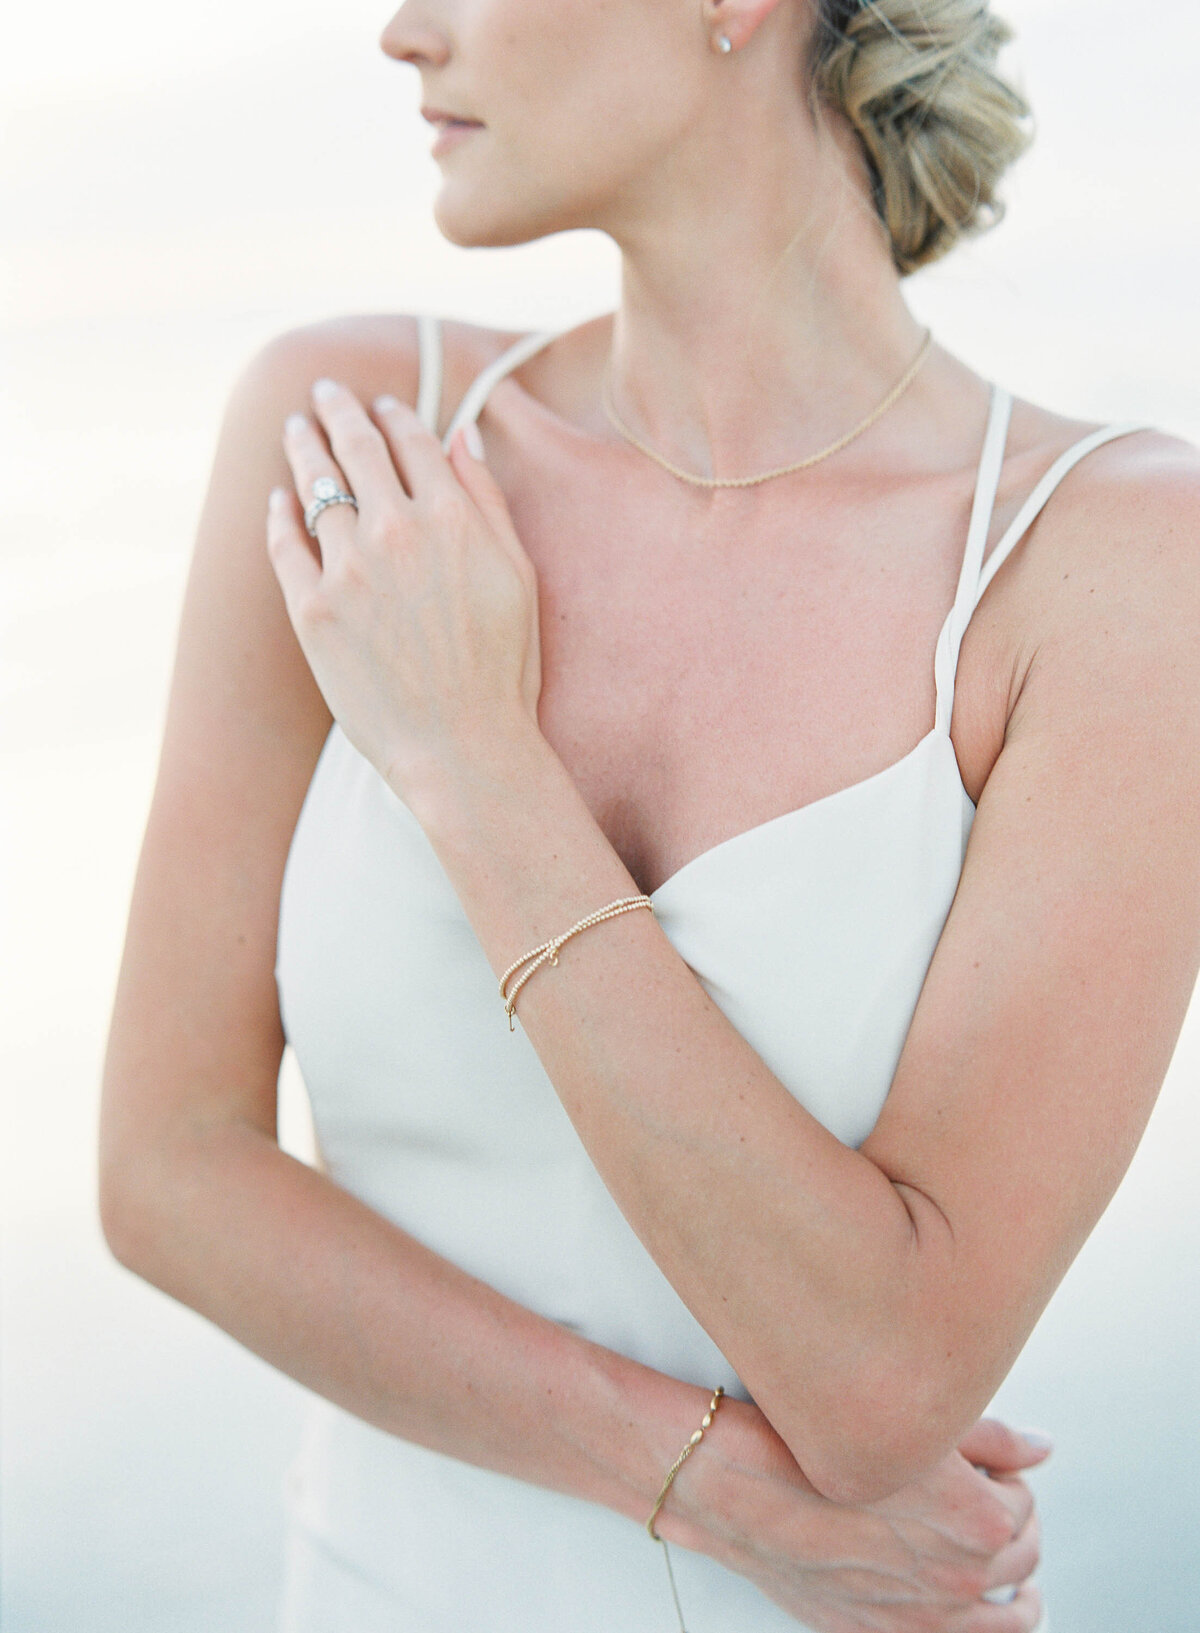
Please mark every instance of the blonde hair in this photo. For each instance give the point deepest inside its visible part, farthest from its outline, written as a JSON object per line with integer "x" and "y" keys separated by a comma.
{"x": 939, "y": 126}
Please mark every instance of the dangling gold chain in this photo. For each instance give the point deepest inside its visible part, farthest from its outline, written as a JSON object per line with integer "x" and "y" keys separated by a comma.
{"x": 892, "y": 397}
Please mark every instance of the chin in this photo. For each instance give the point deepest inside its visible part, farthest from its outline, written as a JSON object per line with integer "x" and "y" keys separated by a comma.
{"x": 465, "y": 218}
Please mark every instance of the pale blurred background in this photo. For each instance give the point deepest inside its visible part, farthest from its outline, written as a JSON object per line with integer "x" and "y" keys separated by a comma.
{"x": 180, "y": 183}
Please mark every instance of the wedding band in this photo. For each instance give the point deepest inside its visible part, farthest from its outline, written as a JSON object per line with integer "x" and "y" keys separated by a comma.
{"x": 325, "y": 492}
{"x": 1001, "y": 1596}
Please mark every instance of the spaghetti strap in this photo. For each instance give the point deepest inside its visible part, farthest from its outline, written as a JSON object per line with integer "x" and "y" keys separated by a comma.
{"x": 478, "y": 391}
{"x": 991, "y": 462}
{"x": 974, "y": 580}
{"x": 429, "y": 375}
{"x": 1035, "y": 504}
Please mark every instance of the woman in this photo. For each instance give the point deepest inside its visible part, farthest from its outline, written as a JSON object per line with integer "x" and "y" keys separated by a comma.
{"x": 704, "y": 624}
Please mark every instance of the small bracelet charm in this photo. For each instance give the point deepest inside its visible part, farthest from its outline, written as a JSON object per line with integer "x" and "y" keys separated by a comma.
{"x": 547, "y": 953}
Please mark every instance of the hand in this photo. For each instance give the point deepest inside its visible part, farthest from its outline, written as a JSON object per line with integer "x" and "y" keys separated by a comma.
{"x": 920, "y": 1561}
{"x": 418, "y": 614}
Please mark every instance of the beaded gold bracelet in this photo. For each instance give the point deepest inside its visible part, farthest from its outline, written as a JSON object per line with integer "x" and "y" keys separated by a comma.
{"x": 705, "y": 1423}
{"x": 548, "y": 951}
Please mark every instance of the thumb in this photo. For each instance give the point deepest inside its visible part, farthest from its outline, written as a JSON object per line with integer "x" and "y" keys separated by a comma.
{"x": 993, "y": 1446}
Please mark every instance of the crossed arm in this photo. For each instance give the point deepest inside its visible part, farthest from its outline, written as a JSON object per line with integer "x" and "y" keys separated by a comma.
{"x": 872, "y": 1298}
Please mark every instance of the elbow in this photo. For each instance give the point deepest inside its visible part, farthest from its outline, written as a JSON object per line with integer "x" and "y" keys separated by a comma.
{"x": 871, "y": 1441}
{"x": 140, "y": 1184}
{"x": 121, "y": 1210}
{"x": 856, "y": 1477}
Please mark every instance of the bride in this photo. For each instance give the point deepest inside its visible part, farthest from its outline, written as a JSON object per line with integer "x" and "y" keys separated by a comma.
{"x": 711, "y": 797}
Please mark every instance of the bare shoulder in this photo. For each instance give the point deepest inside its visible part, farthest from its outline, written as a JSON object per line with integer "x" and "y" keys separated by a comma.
{"x": 1142, "y": 486}
{"x": 1122, "y": 532}
{"x": 1112, "y": 564}
{"x": 1108, "y": 594}
{"x": 371, "y": 353}
{"x": 232, "y": 587}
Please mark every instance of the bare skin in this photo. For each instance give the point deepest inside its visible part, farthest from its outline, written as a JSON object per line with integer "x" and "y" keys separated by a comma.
{"x": 198, "y": 1198}
{"x": 590, "y": 550}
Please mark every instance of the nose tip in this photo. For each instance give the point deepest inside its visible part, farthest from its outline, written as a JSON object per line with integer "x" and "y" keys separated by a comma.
{"x": 406, "y": 39}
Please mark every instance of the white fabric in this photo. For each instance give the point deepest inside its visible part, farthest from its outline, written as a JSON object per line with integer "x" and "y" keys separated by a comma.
{"x": 813, "y": 932}
{"x": 429, "y": 355}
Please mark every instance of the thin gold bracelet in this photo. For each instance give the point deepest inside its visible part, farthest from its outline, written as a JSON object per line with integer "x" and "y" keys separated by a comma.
{"x": 705, "y": 1423}
{"x": 548, "y": 951}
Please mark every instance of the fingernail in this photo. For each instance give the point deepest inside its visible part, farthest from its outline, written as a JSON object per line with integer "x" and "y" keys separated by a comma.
{"x": 1000, "y": 1596}
{"x": 1039, "y": 1441}
{"x": 472, "y": 439}
{"x": 387, "y": 404}
{"x": 322, "y": 390}
{"x": 276, "y": 498}
{"x": 295, "y": 424}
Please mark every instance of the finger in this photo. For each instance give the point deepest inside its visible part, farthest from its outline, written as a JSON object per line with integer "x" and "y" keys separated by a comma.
{"x": 1024, "y": 1614}
{"x": 358, "y": 446}
{"x": 309, "y": 459}
{"x": 1015, "y": 1495}
{"x": 994, "y": 1446}
{"x": 466, "y": 456}
{"x": 1018, "y": 1561}
{"x": 415, "y": 451}
{"x": 290, "y": 550}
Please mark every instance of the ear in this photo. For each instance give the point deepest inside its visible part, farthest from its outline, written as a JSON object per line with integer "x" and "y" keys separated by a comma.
{"x": 738, "y": 20}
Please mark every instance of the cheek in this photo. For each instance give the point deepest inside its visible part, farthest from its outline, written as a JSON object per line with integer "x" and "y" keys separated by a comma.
{"x": 584, "y": 91}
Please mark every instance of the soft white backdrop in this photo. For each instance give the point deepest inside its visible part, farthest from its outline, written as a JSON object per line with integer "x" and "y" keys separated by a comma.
{"x": 178, "y": 184}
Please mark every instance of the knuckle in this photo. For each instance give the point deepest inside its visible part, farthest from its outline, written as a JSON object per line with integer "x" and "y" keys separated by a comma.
{"x": 409, "y": 425}
{"x": 358, "y": 436}
{"x": 345, "y": 573}
{"x": 444, "y": 507}
{"x": 968, "y": 1580}
{"x": 1022, "y": 1507}
{"x": 1028, "y": 1547}
{"x": 382, "y": 533}
{"x": 992, "y": 1527}
{"x": 312, "y": 610}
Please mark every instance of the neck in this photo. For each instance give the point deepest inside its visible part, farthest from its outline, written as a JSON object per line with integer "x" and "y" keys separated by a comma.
{"x": 751, "y": 331}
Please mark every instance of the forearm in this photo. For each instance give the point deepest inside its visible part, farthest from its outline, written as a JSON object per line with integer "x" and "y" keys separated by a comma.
{"x": 803, "y": 1262}
{"x": 331, "y": 1293}
{"x": 328, "y": 1291}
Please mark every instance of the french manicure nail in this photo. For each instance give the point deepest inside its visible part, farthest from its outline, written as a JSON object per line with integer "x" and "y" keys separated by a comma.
{"x": 322, "y": 390}
{"x": 295, "y": 424}
{"x": 387, "y": 404}
{"x": 1039, "y": 1441}
{"x": 276, "y": 498}
{"x": 472, "y": 439}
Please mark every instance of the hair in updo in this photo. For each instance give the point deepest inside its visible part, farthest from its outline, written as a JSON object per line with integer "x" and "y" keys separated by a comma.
{"x": 917, "y": 80}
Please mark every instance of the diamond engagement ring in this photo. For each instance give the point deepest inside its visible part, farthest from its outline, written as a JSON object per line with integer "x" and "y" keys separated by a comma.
{"x": 325, "y": 492}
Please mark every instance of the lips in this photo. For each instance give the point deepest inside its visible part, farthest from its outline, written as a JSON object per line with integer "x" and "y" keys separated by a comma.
{"x": 443, "y": 117}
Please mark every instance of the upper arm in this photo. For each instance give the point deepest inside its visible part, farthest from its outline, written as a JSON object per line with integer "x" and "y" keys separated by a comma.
{"x": 1060, "y": 982}
{"x": 196, "y": 1036}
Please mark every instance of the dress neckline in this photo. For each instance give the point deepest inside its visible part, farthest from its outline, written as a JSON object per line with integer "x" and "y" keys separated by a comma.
{"x": 945, "y": 655}
{"x": 797, "y": 813}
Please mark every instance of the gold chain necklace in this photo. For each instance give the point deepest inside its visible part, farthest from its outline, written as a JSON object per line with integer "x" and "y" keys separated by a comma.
{"x": 892, "y": 397}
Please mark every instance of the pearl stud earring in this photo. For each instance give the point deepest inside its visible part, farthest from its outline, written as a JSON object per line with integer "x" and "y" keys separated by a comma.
{"x": 724, "y": 43}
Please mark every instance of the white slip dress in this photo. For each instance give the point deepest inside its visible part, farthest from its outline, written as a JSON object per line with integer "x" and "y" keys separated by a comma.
{"x": 812, "y": 931}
